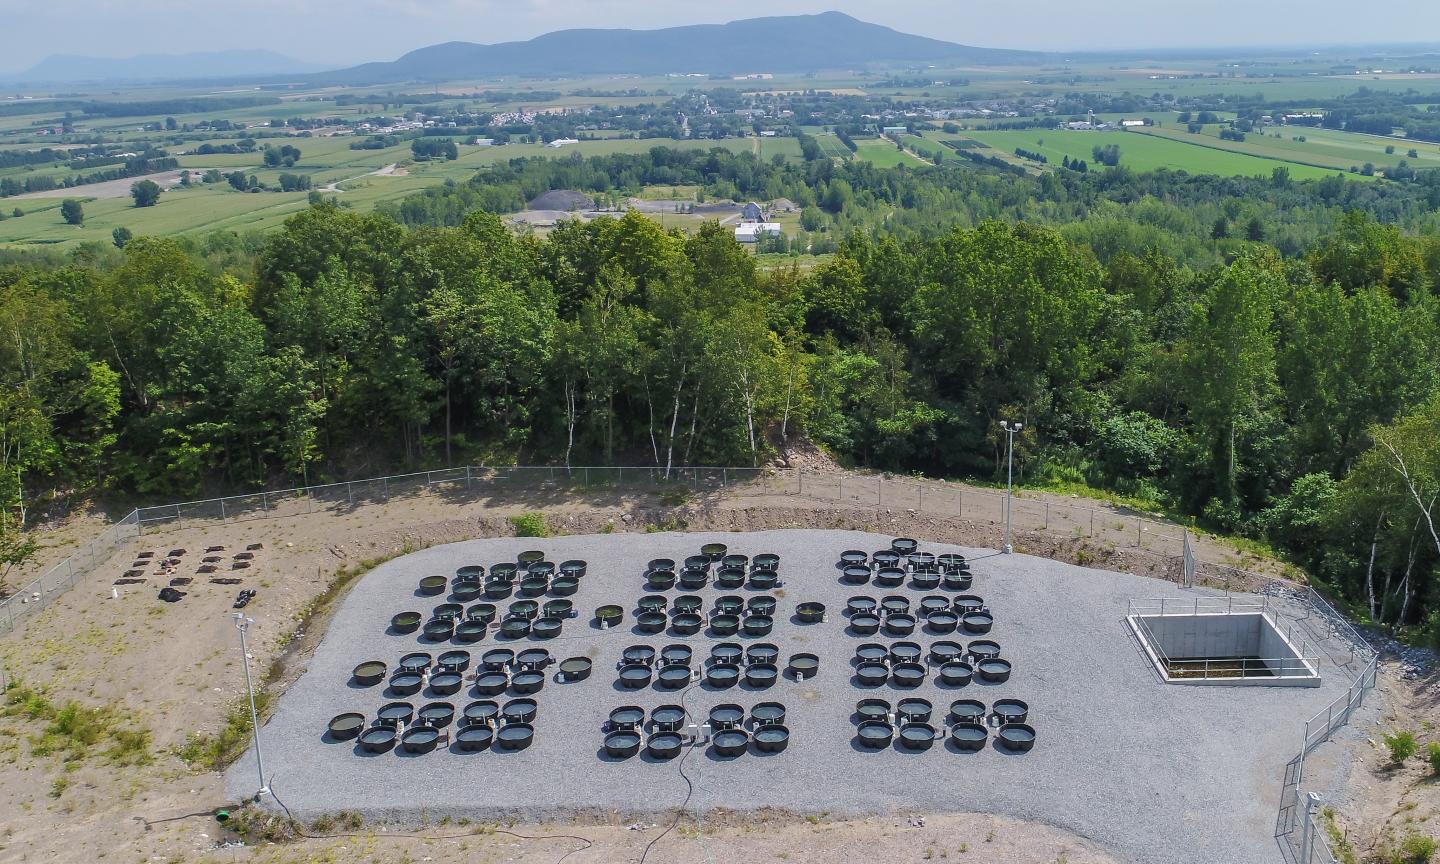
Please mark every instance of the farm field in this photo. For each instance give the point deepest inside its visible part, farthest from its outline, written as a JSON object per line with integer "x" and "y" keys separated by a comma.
{"x": 205, "y": 208}
{"x": 884, "y": 154}
{"x": 1141, "y": 152}
{"x": 1326, "y": 148}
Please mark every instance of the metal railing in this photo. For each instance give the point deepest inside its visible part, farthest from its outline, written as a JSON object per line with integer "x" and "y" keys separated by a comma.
{"x": 1303, "y": 664}
{"x": 36, "y": 594}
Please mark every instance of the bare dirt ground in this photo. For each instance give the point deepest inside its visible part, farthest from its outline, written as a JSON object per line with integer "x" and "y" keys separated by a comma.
{"x": 172, "y": 671}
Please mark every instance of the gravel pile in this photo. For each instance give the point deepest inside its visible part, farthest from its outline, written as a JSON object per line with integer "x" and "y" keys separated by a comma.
{"x": 1156, "y": 773}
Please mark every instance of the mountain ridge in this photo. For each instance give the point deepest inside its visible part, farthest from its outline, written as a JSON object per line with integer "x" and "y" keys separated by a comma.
{"x": 794, "y": 43}
{"x": 238, "y": 62}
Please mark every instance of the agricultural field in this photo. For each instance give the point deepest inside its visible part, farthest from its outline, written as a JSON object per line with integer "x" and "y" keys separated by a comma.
{"x": 884, "y": 154}
{"x": 1323, "y": 148}
{"x": 1140, "y": 152}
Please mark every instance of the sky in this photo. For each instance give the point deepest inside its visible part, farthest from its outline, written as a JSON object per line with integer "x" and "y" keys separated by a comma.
{"x": 342, "y": 32}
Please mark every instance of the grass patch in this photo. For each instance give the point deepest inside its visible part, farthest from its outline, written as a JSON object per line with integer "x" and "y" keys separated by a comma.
{"x": 76, "y": 732}
{"x": 530, "y": 524}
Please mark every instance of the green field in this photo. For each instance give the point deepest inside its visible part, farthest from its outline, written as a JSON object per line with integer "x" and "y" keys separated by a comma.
{"x": 1324, "y": 148}
{"x": 202, "y": 209}
{"x": 884, "y": 154}
{"x": 1140, "y": 152}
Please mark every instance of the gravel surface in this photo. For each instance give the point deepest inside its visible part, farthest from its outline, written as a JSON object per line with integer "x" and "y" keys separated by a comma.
{"x": 1154, "y": 773}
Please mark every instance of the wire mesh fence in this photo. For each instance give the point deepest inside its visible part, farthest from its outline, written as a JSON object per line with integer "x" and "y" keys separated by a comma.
{"x": 35, "y": 595}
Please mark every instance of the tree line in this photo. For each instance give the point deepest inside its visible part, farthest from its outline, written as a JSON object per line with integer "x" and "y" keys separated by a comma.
{"x": 1289, "y": 397}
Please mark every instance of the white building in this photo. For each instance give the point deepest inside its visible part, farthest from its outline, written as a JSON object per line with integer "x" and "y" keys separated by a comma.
{"x": 561, "y": 142}
{"x": 751, "y": 232}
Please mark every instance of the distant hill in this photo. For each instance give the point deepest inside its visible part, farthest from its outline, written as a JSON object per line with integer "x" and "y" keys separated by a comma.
{"x": 159, "y": 67}
{"x": 797, "y": 43}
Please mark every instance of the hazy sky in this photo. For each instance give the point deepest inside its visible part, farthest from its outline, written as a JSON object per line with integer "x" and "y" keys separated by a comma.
{"x": 346, "y": 31}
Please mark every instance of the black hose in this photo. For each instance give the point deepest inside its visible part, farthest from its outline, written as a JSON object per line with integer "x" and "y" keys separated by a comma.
{"x": 689, "y": 788}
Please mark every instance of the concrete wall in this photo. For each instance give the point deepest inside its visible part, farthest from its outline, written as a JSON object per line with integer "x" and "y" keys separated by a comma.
{"x": 1220, "y": 637}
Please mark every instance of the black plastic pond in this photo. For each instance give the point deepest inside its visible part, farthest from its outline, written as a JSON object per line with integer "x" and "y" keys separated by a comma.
{"x": 904, "y": 545}
{"x": 993, "y": 671}
{"x": 913, "y": 710}
{"x": 967, "y": 711}
{"x": 804, "y": 665}
{"x": 470, "y": 631}
{"x": 660, "y": 580}
{"x": 727, "y": 653}
{"x": 943, "y": 621}
{"x": 515, "y": 628}
{"x": 763, "y": 604}
{"x": 767, "y": 713}
{"x": 504, "y": 570}
{"x": 432, "y": 585}
{"x": 927, "y": 581}
{"x": 875, "y": 734}
{"x": 731, "y": 742}
{"x": 765, "y": 561}
{"x": 415, "y": 661}
{"x": 394, "y": 713}
{"x": 917, "y": 736}
{"x": 497, "y": 590}
{"x": 635, "y": 675}
{"x": 764, "y": 580}
{"x": 853, "y": 556}
{"x": 667, "y": 718}
{"x": 810, "y": 612}
{"x": 469, "y": 571}
{"x": 771, "y": 738}
{"x": 722, "y": 676}
{"x": 641, "y": 654}
{"x": 872, "y": 674}
{"x": 491, "y": 683}
{"x": 983, "y": 649}
{"x": 473, "y": 739}
{"x": 872, "y": 709}
{"x": 890, "y": 577}
{"x": 542, "y": 568}
{"x": 687, "y": 623}
{"x": 610, "y": 614}
{"x": 436, "y": 714}
{"x": 969, "y": 736}
{"x": 907, "y": 674}
{"x": 575, "y": 568}
{"x": 529, "y": 556}
{"x": 406, "y": 622}
{"x": 483, "y": 711}
{"x": 575, "y": 668}
{"x": 676, "y": 655}
{"x": 564, "y": 586}
{"x": 406, "y": 683}
{"x": 497, "y": 659}
{"x": 894, "y": 604}
{"x": 439, "y": 629}
{"x": 343, "y": 727}
{"x": 652, "y": 603}
{"x": 967, "y": 603}
{"x": 377, "y": 739}
{"x": 713, "y": 551}
{"x": 651, "y": 622}
{"x": 622, "y": 744}
{"x": 627, "y": 717}
{"x": 724, "y": 625}
{"x": 860, "y": 605}
{"x": 1017, "y": 736}
{"x": 664, "y": 745}
{"x": 453, "y": 661}
{"x": 661, "y": 564}
{"x": 729, "y": 578}
{"x": 761, "y": 675}
{"x": 758, "y": 625}
{"x": 557, "y": 609}
{"x": 762, "y": 652}
{"x": 906, "y": 652}
{"x": 978, "y": 622}
{"x": 900, "y": 624}
{"x": 944, "y": 651}
{"x": 956, "y": 673}
{"x": 736, "y": 561}
{"x": 534, "y": 586}
{"x": 515, "y": 736}
{"x": 446, "y": 683}
{"x": 527, "y": 609}
{"x": 872, "y": 652}
{"x": 519, "y": 711}
{"x": 533, "y": 658}
{"x": 369, "y": 673}
{"x": 527, "y": 682}
{"x": 466, "y": 592}
{"x": 957, "y": 581}
{"x": 885, "y": 558}
{"x": 693, "y": 579}
{"x": 726, "y": 716}
{"x": 547, "y": 627}
{"x": 1011, "y": 710}
{"x": 855, "y": 574}
{"x": 673, "y": 677}
{"x": 864, "y": 624}
{"x": 698, "y": 562}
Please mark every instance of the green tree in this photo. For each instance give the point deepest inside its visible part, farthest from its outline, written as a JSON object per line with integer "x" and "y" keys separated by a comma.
{"x": 72, "y": 212}
{"x": 145, "y": 192}
{"x": 120, "y": 236}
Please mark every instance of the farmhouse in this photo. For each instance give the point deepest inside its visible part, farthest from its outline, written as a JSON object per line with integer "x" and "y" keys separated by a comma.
{"x": 751, "y": 213}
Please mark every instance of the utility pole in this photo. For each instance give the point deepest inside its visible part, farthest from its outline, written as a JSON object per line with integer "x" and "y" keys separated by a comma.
{"x": 1010, "y": 431}
{"x": 243, "y": 625}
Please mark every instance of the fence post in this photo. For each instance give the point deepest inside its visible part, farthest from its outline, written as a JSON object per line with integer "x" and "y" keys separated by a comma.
{"x": 724, "y": 477}
{"x": 962, "y": 502}
{"x": 584, "y": 483}
{"x": 919, "y": 508}
{"x": 1047, "y": 515}
{"x": 178, "y": 521}
{"x": 1092, "y": 521}
{"x": 467, "y": 476}
{"x": 840, "y": 488}
{"x": 619, "y": 476}
{"x": 879, "y": 491}
{"x": 1137, "y": 533}
{"x": 350, "y": 492}
{"x": 799, "y": 481}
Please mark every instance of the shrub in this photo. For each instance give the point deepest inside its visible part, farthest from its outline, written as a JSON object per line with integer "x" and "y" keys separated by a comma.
{"x": 1432, "y": 755}
{"x": 1416, "y": 849}
{"x": 1402, "y": 746}
{"x": 530, "y": 524}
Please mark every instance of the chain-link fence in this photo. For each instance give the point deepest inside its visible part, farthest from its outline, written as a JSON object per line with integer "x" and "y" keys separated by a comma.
{"x": 35, "y": 595}
{"x": 1299, "y": 821}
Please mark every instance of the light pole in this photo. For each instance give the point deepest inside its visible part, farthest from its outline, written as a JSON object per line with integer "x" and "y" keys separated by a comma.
{"x": 1010, "y": 430}
{"x": 243, "y": 625}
